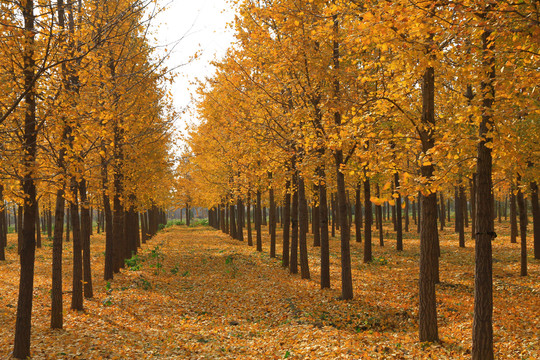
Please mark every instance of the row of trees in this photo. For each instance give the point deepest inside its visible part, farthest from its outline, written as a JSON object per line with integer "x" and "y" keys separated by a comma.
{"x": 85, "y": 121}
{"x": 391, "y": 101}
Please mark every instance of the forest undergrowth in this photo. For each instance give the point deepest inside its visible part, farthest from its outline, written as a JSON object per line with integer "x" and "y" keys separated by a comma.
{"x": 195, "y": 293}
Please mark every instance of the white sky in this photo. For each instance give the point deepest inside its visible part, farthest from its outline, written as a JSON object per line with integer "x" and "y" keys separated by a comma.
{"x": 202, "y": 25}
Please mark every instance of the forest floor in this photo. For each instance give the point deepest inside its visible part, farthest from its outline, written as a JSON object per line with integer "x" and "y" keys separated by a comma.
{"x": 194, "y": 293}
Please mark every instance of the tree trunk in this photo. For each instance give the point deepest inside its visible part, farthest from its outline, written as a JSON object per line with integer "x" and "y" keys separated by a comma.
{"x": 3, "y": 229}
{"x": 258, "y": 221}
{"x": 325, "y": 245}
{"x": 240, "y": 208}
{"x": 346, "y": 275}
{"x": 293, "y": 264}
{"x": 232, "y": 216}
{"x": 29, "y": 146}
{"x": 286, "y": 225}
{"x": 77, "y": 293}
{"x": 249, "y": 234}
{"x": 407, "y": 206}
{"x": 357, "y": 211}
{"x": 68, "y": 224}
{"x": 379, "y": 211}
{"x": 442, "y": 216}
{"x": 57, "y": 314}
{"x": 227, "y": 219}
{"x": 461, "y": 210}
{"x": 499, "y": 212}
{"x": 414, "y": 212}
{"x": 482, "y": 336}
{"x": 536, "y": 219}
{"x": 399, "y": 229}
{"x": 465, "y": 212}
{"x": 272, "y": 218}
{"x": 333, "y": 211}
{"x": 303, "y": 215}
{"x": 85, "y": 238}
{"x": 473, "y": 206}
{"x": 20, "y": 219}
{"x": 513, "y": 218}
{"x": 419, "y": 209}
{"x": 522, "y": 206}
{"x": 316, "y": 223}
{"x": 108, "y": 216}
{"x": 57, "y": 317}
{"x": 457, "y": 210}
{"x": 49, "y": 224}
{"x": 428, "y": 329}
{"x": 222, "y": 218}
{"x": 368, "y": 220}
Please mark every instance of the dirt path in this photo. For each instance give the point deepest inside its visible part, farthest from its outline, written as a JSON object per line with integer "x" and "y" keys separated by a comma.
{"x": 194, "y": 293}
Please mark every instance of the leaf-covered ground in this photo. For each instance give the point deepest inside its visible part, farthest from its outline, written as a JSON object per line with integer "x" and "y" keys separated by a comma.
{"x": 194, "y": 293}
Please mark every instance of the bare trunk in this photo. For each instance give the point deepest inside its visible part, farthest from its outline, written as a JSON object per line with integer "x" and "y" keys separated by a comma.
{"x": 316, "y": 223}
{"x": 85, "y": 237}
{"x": 293, "y": 264}
{"x": 368, "y": 220}
{"x": 428, "y": 328}
{"x": 522, "y": 206}
{"x": 325, "y": 245}
{"x": 536, "y": 219}
{"x": 399, "y": 229}
{"x": 272, "y": 219}
{"x": 27, "y": 249}
{"x": 303, "y": 214}
{"x": 482, "y": 336}
{"x": 258, "y": 221}
{"x": 286, "y": 225}
{"x": 357, "y": 211}
{"x": 77, "y": 291}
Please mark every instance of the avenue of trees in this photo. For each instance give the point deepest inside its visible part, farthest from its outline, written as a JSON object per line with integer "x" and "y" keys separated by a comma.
{"x": 326, "y": 109}
{"x": 85, "y": 130}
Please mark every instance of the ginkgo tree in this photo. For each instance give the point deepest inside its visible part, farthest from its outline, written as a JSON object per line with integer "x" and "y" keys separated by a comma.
{"x": 404, "y": 94}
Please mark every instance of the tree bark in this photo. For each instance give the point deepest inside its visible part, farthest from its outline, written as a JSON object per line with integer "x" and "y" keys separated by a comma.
{"x": 286, "y": 225}
{"x": 442, "y": 216}
{"x": 513, "y": 218}
{"x": 473, "y": 206}
{"x": 357, "y": 211}
{"x": 77, "y": 291}
{"x": 536, "y": 219}
{"x": 232, "y": 216}
{"x": 379, "y": 211}
{"x": 316, "y": 223}
{"x": 239, "y": 209}
{"x": 85, "y": 237}
{"x": 249, "y": 234}
{"x": 482, "y": 336}
{"x": 522, "y": 206}
{"x": 27, "y": 251}
{"x": 293, "y": 264}
{"x": 461, "y": 210}
{"x": 333, "y": 211}
{"x": 272, "y": 218}
{"x": 325, "y": 245}
{"x": 109, "y": 242}
{"x": 303, "y": 214}
{"x": 368, "y": 220}
{"x": 258, "y": 221}
{"x": 38, "y": 230}
{"x": 399, "y": 228}
{"x": 428, "y": 329}
{"x": 57, "y": 317}
{"x": 3, "y": 227}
